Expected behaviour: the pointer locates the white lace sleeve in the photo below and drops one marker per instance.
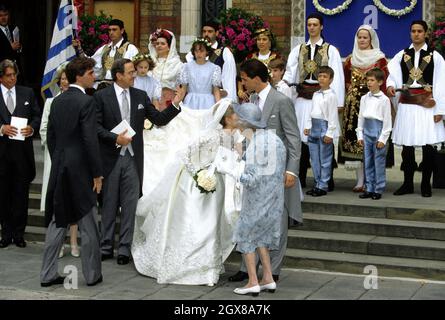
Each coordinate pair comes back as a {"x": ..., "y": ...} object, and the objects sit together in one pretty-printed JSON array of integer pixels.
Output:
[
  {"x": 157, "y": 92},
  {"x": 201, "y": 153},
  {"x": 183, "y": 76},
  {"x": 216, "y": 77}
]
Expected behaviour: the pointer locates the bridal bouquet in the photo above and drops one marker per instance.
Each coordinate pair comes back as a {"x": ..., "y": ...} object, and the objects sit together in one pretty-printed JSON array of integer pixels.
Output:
[{"x": 205, "y": 182}]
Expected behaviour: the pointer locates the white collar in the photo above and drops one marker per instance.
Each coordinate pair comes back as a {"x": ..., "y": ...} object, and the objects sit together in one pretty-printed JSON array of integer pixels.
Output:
[
  {"x": 119, "y": 89},
  {"x": 377, "y": 95},
  {"x": 424, "y": 48},
  {"x": 318, "y": 43},
  {"x": 215, "y": 45},
  {"x": 118, "y": 45},
  {"x": 5, "y": 90},
  {"x": 4, "y": 27},
  {"x": 78, "y": 87},
  {"x": 265, "y": 92},
  {"x": 325, "y": 91}
]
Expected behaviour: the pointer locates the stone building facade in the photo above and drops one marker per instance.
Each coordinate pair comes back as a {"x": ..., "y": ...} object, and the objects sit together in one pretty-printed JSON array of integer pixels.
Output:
[{"x": 286, "y": 17}]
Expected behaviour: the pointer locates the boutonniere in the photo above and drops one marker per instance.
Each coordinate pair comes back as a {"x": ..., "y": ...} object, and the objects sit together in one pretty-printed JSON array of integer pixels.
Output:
[{"x": 26, "y": 103}]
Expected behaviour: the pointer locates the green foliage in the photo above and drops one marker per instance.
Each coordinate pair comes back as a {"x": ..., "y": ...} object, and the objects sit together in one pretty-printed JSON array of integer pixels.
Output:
[{"x": 93, "y": 31}]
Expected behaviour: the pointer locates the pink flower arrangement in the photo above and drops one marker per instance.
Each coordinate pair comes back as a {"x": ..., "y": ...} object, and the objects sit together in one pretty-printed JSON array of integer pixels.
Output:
[
  {"x": 237, "y": 28},
  {"x": 93, "y": 32},
  {"x": 437, "y": 40}
]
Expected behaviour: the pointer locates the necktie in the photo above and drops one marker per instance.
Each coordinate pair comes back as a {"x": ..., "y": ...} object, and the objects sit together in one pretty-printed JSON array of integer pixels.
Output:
[
  {"x": 125, "y": 107},
  {"x": 8, "y": 34},
  {"x": 10, "y": 102}
]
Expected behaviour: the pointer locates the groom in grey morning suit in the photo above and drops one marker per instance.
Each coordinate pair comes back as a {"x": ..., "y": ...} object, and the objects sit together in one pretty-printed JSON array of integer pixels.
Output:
[
  {"x": 123, "y": 166},
  {"x": 279, "y": 114}
]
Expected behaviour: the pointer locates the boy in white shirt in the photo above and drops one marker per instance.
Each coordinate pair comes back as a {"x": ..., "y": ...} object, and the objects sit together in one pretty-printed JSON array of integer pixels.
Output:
[
  {"x": 277, "y": 67},
  {"x": 322, "y": 128},
  {"x": 373, "y": 130}
]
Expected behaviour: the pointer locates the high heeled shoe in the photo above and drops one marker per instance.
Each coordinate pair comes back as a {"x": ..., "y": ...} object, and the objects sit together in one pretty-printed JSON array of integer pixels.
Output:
[
  {"x": 254, "y": 291},
  {"x": 270, "y": 287},
  {"x": 75, "y": 251}
]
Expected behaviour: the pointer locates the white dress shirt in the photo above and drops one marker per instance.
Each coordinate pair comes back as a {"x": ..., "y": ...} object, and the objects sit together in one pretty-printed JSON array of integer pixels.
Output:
[
  {"x": 6, "y": 32},
  {"x": 395, "y": 78},
  {"x": 5, "y": 94},
  {"x": 262, "y": 96},
  {"x": 129, "y": 54},
  {"x": 335, "y": 62},
  {"x": 324, "y": 107},
  {"x": 78, "y": 87},
  {"x": 375, "y": 106},
  {"x": 119, "y": 91}
]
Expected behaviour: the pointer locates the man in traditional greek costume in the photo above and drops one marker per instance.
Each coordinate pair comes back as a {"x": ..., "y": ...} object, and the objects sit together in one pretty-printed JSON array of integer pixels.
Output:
[{"x": 419, "y": 73}]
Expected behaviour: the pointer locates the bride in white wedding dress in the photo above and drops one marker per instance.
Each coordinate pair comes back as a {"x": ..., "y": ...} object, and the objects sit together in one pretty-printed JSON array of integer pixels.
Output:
[{"x": 183, "y": 236}]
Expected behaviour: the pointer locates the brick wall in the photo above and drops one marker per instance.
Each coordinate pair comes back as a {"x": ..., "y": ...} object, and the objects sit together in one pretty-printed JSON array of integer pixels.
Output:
[
  {"x": 440, "y": 8},
  {"x": 277, "y": 13},
  {"x": 159, "y": 14}
]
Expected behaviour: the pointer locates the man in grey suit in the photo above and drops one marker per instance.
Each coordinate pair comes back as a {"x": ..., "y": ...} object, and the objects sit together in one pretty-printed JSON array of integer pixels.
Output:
[
  {"x": 76, "y": 175},
  {"x": 123, "y": 166},
  {"x": 279, "y": 114}
]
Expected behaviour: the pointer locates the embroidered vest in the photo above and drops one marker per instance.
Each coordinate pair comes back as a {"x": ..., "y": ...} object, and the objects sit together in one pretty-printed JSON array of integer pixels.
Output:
[
  {"x": 424, "y": 73},
  {"x": 217, "y": 56},
  {"x": 308, "y": 69},
  {"x": 107, "y": 61}
]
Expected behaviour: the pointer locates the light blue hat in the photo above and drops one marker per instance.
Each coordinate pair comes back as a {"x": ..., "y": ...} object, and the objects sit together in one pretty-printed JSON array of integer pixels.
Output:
[{"x": 250, "y": 113}]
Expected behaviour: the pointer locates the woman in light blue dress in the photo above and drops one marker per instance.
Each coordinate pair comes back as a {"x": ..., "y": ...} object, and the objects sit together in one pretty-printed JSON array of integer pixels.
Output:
[
  {"x": 262, "y": 177},
  {"x": 201, "y": 77}
]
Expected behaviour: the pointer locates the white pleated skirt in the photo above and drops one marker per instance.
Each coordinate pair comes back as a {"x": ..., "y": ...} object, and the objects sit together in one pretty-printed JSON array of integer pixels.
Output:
[
  {"x": 414, "y": 126},
  {"x": 303, "y": 109}
]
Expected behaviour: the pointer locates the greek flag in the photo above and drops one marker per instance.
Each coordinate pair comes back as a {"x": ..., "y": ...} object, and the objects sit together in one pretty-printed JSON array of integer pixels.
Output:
[{"x": 61, "y": 49}]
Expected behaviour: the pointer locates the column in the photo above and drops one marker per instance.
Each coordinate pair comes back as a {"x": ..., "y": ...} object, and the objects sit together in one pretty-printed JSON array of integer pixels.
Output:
[{"x": 190, "y": 23}]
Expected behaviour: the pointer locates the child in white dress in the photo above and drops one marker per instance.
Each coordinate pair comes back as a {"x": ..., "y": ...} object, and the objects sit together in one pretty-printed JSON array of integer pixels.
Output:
[
  {"x": 143, "y": 64},
  {"x": 201, "y": 78}
]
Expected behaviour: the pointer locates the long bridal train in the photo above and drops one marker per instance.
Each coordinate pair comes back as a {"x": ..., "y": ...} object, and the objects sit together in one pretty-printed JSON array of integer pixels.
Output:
[{"x": 183, "y": 236}]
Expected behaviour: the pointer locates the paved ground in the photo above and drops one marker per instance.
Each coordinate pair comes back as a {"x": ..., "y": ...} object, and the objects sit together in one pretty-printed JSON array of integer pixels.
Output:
[{"x": 19, "y": 279}]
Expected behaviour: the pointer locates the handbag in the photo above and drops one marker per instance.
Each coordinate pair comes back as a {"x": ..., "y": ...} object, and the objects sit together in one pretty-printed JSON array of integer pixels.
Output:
[{"x": 439, "y": 168}]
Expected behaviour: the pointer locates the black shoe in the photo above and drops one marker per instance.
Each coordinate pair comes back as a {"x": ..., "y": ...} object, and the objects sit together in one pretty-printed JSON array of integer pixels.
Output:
[
  {"x": 96, "y": 282},
  {"x": 331, "y": 185},
  {"x": 425, "y": 190},
  {"x": 366, "y": 195},
  {"x": 239, "y": 276},
  {"x": 376, "y": 196},
  {"x": 121, "y": 259},
  {"x": 20, "y": 242},
  {"x": 5, "y": 242},
  {"x": 319, "y": 193},
  {"x": 275, "y": 277},
  {"x": 404, "y": 189},
  {"x": 106, "y": 256},
  {"x": 310, "y": 192},
  {"x": 58, "y": 280}
]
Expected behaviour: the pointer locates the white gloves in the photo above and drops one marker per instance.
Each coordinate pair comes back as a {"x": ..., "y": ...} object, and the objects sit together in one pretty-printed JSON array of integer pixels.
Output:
[{"x": 226, "y": 162}]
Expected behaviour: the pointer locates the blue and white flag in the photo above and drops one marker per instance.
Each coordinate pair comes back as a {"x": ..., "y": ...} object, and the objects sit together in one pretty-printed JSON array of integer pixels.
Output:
[{"x": 61, "y": 49}]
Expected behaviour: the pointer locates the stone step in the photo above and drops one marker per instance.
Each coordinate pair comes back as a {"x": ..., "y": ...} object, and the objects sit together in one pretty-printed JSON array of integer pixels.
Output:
[
  {"x": 355, "y": 263},
  {"x": 374, "y": 226},
  {"x": 367, "y": 244},
  {"x": 414, "y": 208}
]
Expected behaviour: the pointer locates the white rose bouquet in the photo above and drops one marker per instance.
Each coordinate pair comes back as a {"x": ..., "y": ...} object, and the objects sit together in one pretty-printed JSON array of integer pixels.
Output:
[{"x": 205, "y": 181}]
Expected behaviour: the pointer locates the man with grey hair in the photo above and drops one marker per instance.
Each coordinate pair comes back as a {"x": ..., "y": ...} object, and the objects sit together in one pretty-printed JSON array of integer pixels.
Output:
[
  {"x": 17, "y": 165},
  {"x": 123, "y": 166}
]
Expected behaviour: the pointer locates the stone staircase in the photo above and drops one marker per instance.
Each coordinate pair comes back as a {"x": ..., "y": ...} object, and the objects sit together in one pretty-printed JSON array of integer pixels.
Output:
[{"x": 401, "y": 236}]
